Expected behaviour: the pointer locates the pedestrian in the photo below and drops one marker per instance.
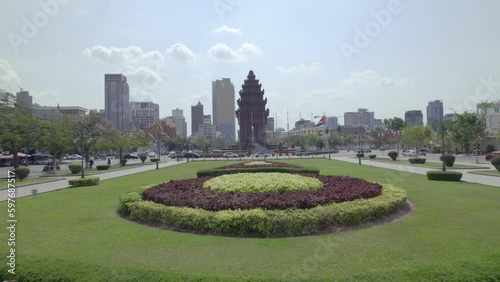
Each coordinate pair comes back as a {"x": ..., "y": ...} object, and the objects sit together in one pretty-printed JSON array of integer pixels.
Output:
[
  {"x": 91, "y": 163},
  {"x": 109, "y": 161}
]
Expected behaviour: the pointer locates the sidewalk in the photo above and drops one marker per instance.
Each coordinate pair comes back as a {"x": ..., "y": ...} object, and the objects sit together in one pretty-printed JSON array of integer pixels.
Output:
[
  {"x": 24, "y": 191},
  {"x": 467, "y": 177}
]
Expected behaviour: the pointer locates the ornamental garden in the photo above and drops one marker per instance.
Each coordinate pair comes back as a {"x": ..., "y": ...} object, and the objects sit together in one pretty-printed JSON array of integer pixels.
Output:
[{"x": 269, "y": 199}]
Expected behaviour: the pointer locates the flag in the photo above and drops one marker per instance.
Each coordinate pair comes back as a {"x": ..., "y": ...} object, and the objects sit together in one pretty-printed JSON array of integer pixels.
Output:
[{"x": 321, "y": 122}]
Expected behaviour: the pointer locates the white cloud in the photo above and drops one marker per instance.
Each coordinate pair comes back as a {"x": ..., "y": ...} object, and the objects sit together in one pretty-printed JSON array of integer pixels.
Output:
[
  {"x": 222, "y": 52},
  {"x": 130, "y": 54},
  {"x": 203, "y": 76},
  {"x": 139, "y": 94},
  {"x": 82, "y": 11},
  {"x": 391, "y": 82},
  {"x": 7, "y": 74},
  {"x": 142, "y": 72},
  {"x": 372, "y": 78},
  {"x": 227, "y": 29},
  {"x": 44, "y": 96},
  {"x": 299, "y": 68},
  {"x": 181, "y": 52}
]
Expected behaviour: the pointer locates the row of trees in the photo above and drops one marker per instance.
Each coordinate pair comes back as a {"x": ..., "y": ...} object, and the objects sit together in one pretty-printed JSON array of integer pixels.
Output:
[{"x": 20, "y": 131}]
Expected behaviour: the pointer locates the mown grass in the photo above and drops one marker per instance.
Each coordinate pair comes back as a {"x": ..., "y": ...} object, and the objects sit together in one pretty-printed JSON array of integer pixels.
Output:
[
  {"x": 76, "y": 235},
  {"x": 26, "y": 181},
  {"x": 427, "y": 164},
  {"x": 487, "y": 172}
]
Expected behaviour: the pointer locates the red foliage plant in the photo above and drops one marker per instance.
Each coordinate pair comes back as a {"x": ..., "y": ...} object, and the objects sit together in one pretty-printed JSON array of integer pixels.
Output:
[{"x": 190, "y": 193}]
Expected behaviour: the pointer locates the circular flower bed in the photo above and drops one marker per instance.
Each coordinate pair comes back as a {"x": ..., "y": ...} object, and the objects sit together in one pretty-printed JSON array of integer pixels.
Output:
[
  {"x": 262, "y": 182},
  {"x": 190, "y": 193},
  {"x": 259, "y": 164}
]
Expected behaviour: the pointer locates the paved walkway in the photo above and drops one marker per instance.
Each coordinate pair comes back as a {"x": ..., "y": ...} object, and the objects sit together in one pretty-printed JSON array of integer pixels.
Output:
[
  {"x": 468, "y": 177},
  {"x": 62, "y": 182}
]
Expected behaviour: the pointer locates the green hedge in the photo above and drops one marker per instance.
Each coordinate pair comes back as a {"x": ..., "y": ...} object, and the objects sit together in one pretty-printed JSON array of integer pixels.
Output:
[
  {"x": 393, "y": 155},
  {"x": 417, "y": 160},
  {"x": 449, "y": 160},
  {"x": 372, "y": 156},
  {"x": 444, "y": 175},
  {"x": 123, "y": 162},
  {"x": 270, "y": 223},
  {"x": 218, "y": 172},
  {"x": 154, "y": 160},
  {"x": 128, "y": 198},
  {"x": 88, "y": 181},
  {"x": 102, "y": 167},
  {"x": 75, "y": 168},
  {"x": 22, "y": 173},
  {"x": 143, "y": 158},
  {"x": 360, "y": 155}
]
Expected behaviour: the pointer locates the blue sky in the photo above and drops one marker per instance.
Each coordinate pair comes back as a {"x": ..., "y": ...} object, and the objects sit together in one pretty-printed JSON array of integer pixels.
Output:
[{"x": 311, "y": 56}]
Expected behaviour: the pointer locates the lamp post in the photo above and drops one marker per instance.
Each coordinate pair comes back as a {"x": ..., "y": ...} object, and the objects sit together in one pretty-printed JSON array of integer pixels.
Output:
[
  {"x": 157, "y": 151},
  {"x": 359, "y": 148},
  {"x": 442, "y": 145}
]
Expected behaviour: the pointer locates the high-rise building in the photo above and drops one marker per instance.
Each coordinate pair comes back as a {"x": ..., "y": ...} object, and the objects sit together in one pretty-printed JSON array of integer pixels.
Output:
[
  {"x": 24, "y": 97},
  {"x": 207, "y": 119},
  {"x": 332, "y": 122},
  {"x": 144, "y": 114},
  {"x": 361, "y": 117},
  {"x": 270, "y": 124},
  {"x": 434, "y": 113},
  {"x": 223, "y": 107},
  {"x": 414, "y": 118},
  {"x": 196, "y": 117},
  {"x": 180, "y": 122},
  {"x": 352, "y": 119},
  {"x": 116, "y": 101}
]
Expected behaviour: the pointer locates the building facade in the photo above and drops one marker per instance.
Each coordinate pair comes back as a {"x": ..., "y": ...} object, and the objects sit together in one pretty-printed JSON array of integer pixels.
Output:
[
  {"x": 270, "y": 124},
  {"x": 144, "y": 114},
  {"x": 180, "y": 122},
  {"x": 24, "y": 97},
  {"x": 434, "y": 113},
  {"x": 116, "y": 101},
  {"x": 223, "y": 108},
  {"x": 332, "y": 122},
  {"x": 414, "y": 118},
  {"x": 196, "y": 117}
]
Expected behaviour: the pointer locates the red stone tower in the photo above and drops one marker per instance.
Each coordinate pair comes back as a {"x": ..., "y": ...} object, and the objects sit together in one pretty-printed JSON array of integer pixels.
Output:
[{"x": 252, "y": 113}]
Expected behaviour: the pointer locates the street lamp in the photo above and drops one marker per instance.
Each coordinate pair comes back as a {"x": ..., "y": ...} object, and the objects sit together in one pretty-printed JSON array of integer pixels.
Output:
[
  {"x": 359, "y": 148},
  {"x": 442, "y": 145}
]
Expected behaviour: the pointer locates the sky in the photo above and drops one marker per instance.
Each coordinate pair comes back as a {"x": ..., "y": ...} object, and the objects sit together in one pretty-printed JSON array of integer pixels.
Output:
[{"x": 312, "y": 57}]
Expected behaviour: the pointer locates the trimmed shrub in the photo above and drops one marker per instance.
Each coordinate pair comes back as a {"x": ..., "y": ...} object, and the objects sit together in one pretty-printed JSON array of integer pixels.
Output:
[
  {"x": 372, "y": 156},
  {"x": 21, "y": 173},
  {"x": 88, "y": 181},
  {"x": 143, "y": 158},
  {"x": 444, "y": 175},
  {"x": 154, "y": 160},
  {"x": 123, "y": 162},
  {"x": 218, "y": 172},
  {"x": 490, "y": 148},
  {"x": 128, "y": 198},
  {"x": 102, "y": 167},
  {"x": 495, "y": 161},
  {"x": 75, "y": 168},
  {"x": 270, "y": 223},
  {"x": 449, "y": 160},
  {"x": 393, "y": 155},
  {"x": 417, "y": 160},
  {"x": 360, "y": 155}
]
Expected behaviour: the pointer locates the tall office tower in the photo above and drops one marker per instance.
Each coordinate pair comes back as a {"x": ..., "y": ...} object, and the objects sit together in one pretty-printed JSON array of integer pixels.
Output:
[
  {"x": 144, "y": 114},
  {"x": 270, "y": 124},
  {"x": 207, "y": 119},
  {"x": 180, "y": 122},
  {"x": 414, "y": 118},
  {"x": 24, "y": 97},
  {"x": 116, "y": 101},
  {"x": 223, "y": 108},
  {"x": 196, "y": 118},
  {"x": 352, "y": 119},
  {"x": 332, "y": 122},
  {"x": 434, "y": 113}
]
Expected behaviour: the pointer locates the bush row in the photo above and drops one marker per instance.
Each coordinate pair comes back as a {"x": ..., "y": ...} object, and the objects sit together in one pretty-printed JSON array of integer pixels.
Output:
[
  {"x": 88, "y": 181},
  {"x": 372, "y": 156},
  {"x": 21, "y": 173},
  {"x": 75, "y": 168},
  {"x": 444, "y": 175},
  {"x": 393, "y": 155},
  {"x": 417, "y": 160},
  {"x": 449, "y": 160},
  {"x": 259, "y": 164},
  {"x": 190, "y": 193},
  {"x": 495, "y": 161},
  {"x": 102, "y": 167},
  {"x": 270, "y": 223},
  {"x": 252, "y": 169}
]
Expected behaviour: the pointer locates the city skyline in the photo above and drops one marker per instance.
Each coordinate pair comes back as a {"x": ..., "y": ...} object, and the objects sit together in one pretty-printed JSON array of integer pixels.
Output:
[{"x": 326, "y": 58}]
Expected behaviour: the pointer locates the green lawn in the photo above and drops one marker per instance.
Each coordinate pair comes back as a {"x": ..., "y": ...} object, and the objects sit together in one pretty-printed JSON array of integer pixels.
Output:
[
  {"x": 112, "y": 167},
  {"x": 76, "y": 235},
  {"x": 4, "y": 183},
  {"x": 488, "y": 172},
  {"x": 427, "y": 164}
]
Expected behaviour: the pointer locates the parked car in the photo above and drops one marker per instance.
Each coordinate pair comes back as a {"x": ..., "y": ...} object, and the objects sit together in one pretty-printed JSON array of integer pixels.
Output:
[
  {"x": 74, "y": 157},
  {"x": 301, "y": 153},
  {"x": 230, "y": 155},
  {"x": 410, "y": 153},
  {"x": 423, "y": 152},
  {"x": 191, "y": 155},
  {"x": 130, "y": 156},
  {"x": 491, "y": 155},
  {"x": 42, "y": 161},
  {"x": 259, "y": 154},
  {"x": 5, "y": 163}
]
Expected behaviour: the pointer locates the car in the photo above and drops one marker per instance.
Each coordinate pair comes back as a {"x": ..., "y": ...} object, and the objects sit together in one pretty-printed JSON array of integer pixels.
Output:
[
  {"x": 230, "y": 155},
  {"x": 42, "y": 161},
  {"x": 491, "y": 155},
  {"x": 130, "y": 156},
  {"x": 259, "y": 154},
  {"x": 191, "y": 155},
  {"x": 302, "y": 153},
  {"x": 5, "y": 163},
  {"x": 410, "y": 153},
  {"x": 423, "y": 152},
  {"x": 74, "y": 157}
]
